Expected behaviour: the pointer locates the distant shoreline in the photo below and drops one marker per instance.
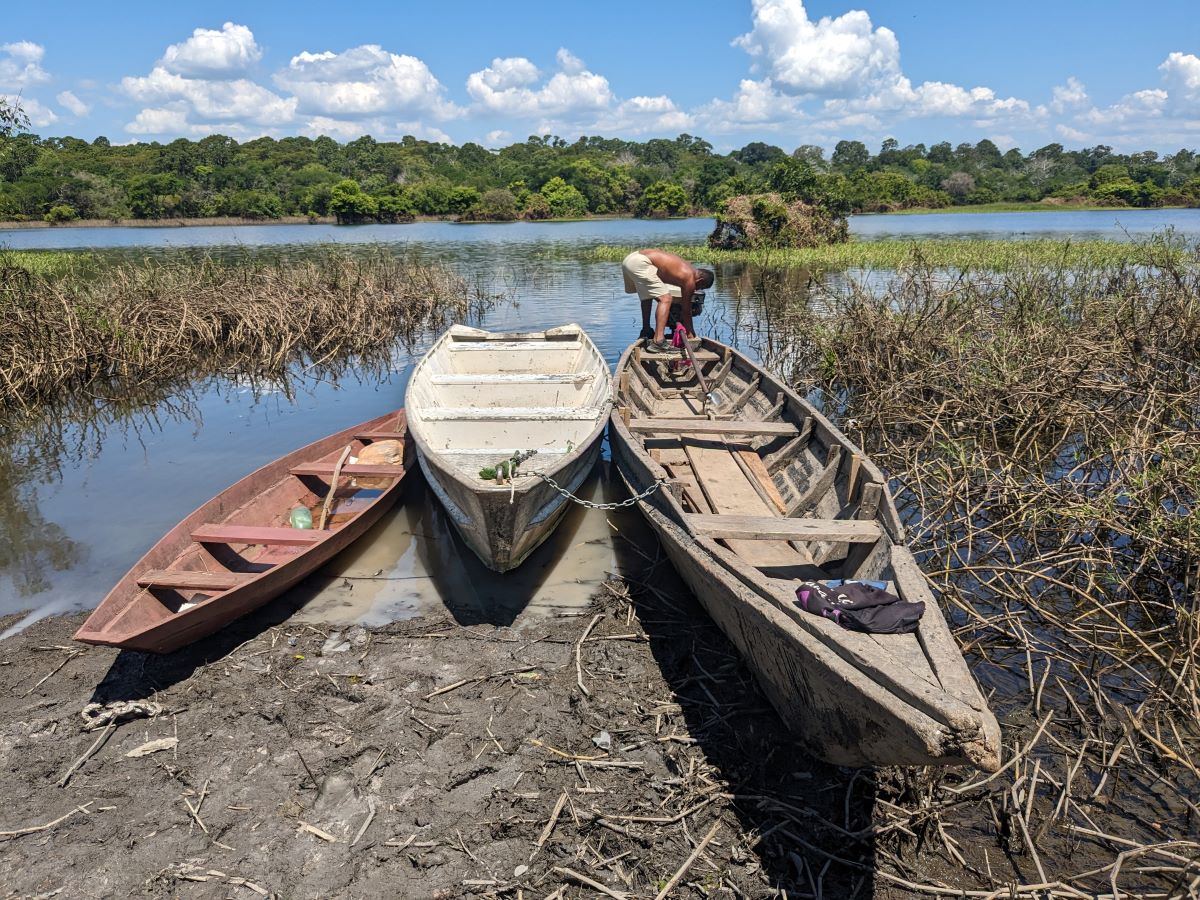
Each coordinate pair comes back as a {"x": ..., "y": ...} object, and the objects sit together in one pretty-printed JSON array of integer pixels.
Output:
[
  {"x": 166, "y": 223},
  {"x": 211, "y": 221}
]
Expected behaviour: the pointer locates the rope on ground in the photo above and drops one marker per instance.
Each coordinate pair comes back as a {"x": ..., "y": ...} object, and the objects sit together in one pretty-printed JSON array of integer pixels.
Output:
[{"x": 97, "y": 715}]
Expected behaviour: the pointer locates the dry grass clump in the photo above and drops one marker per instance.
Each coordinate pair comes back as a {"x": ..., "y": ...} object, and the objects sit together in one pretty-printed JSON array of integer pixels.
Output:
[
  {"x": 1043, "y": 429},
  {"x": 111, "y": 328}
]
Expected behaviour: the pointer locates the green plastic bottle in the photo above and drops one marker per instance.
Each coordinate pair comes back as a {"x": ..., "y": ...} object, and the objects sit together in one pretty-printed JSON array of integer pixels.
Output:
[{"x": 302, "y": 517}]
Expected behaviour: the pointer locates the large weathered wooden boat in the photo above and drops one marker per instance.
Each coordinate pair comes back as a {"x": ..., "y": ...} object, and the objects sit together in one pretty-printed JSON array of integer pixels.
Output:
[
  {"x": 240, "y": 549},
  {"x": 762, "y": 491},
  {"x": 479, "y": 398}
]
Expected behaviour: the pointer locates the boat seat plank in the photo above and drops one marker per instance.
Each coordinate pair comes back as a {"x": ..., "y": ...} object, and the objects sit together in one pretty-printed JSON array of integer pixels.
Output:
[
  {"x": 466, "y": 333},
  {"x": 375, "y": 470},
  {"x": 510, "y": 413},
  {"x": 506, "y": 346},
  {"x": 250, "y": 534},
  {"x": 513, "y": 378},
  {"x": 774, "y": 528},
  {"x": 701, "y": 355},
  {"x": 380, "y": 435},
  {"x": 708, "y": 426},
  {"x": 201, "y": 581}
]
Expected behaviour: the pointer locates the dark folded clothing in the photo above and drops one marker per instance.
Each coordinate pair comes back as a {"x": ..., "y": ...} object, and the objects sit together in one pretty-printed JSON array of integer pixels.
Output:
[{"x": 860, "y": 606}]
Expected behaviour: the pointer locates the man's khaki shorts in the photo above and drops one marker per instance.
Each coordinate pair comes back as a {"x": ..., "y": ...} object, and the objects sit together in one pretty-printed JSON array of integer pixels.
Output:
[{"x": 641, "y": 277}]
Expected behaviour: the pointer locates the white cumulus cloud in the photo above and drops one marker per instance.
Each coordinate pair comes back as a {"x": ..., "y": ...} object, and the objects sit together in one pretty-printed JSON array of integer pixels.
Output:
[
  {"x": 227, "y": 53},
  {"x": 199, "y": 87},
  {"x": 1154, "y": 115},
  {"x": 21, "y": 65},
  {"x": 365, "y": 81},
  {"x": 1181, "y": 72},
  {"x": 645, "y": 115},
  {"x": 833, "y": 56},
  {"x": 72, "y": 104},
  {"x": 212, "y": 101},
  {"x": 838, "y": 71},
  {"x": 505, "y": 87},
  {"x": 1071, "y": 95}
]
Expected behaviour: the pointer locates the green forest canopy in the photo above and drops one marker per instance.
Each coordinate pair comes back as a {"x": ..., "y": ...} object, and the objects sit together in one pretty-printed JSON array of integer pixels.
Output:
[{"x": 63, "y": 178}]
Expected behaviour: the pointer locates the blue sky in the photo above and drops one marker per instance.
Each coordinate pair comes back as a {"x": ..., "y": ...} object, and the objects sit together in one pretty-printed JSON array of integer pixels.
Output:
[{"x": 784, "y": 71}]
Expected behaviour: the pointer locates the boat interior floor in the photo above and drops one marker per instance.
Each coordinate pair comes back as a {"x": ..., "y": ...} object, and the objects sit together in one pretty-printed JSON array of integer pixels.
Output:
[
  {"x": 258, "y": 536},
  {"x": 726, "y": 488},
  {"x": 722, "y": 476}
]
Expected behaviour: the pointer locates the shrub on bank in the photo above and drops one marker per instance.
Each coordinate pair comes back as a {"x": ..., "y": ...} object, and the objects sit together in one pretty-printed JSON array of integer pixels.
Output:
[
  {"x": 496, "y": 205},
  {"x": 764, "y": 221},
  {"x": 60, "y": 213}
]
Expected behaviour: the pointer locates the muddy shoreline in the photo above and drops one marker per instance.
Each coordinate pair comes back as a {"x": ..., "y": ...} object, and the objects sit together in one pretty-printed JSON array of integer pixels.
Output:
[
  {"x": 609, "y": 751},
  {"x": 425, "y": 758}
]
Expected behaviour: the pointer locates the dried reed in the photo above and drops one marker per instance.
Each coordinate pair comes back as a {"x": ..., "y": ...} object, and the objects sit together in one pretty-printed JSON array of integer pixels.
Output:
[
  {"x": 1042, "y": 426},
  {"x": 101, "y": 330}
]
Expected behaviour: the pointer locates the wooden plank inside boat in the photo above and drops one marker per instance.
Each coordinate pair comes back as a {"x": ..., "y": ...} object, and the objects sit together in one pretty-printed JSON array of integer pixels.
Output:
[
  {"x": 709, "y": 426},
  {"x": 774, "y": 528},
  {"x": 248, "y": 534},
  {"x": 725, "y": 486}
]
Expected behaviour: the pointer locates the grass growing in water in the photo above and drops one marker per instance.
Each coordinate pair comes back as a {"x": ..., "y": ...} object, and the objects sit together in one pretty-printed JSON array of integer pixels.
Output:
[
  {"x": 993, "y": 255},
  {"x": 64, "y": 330},
  {"x": 1043, "y": 428}
]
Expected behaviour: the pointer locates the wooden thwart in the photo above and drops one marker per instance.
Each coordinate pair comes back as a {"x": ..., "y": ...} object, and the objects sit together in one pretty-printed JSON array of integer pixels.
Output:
[
  {"x": 249, "y": 534},
  {"x": 375, "y": 470},
  {"x": 701, "y": 355},
  {"x": 774, "y": 528},
  {"x": 380, "y": 436},
  {"x": 200, "y": 581},
  {"x": 708, "y": 426}
]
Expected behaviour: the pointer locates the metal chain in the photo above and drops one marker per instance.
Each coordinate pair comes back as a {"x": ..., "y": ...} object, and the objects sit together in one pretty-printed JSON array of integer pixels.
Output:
[{"x": 658, "y": 482}]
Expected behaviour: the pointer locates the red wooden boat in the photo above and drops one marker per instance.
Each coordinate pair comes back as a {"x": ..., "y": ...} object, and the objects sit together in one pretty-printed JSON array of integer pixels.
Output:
[{"x": 239, "y": 550}]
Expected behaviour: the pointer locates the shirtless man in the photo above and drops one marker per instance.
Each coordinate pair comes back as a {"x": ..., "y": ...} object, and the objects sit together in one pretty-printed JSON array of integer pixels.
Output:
[{"x": 662, "y": 278}]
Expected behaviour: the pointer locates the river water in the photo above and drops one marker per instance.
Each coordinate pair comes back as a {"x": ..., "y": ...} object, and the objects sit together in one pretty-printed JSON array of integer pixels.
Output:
[{"x": 74, "y": 522}]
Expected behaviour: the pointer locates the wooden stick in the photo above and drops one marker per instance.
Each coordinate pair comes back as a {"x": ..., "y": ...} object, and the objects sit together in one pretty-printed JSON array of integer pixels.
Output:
[
  {"x": 91, "y": 751},
  {"x": 367, "y": 822},
  {"x": 687, "y": 863},
  {"x": 337, "y": 473},
  {"x": 578, "y": 648},
  {"x": 314, "y": 830},
  {"x": 595, "y": 885},
  {"x": 549, "y": 829},
  {"x": 20, "y": 831}
]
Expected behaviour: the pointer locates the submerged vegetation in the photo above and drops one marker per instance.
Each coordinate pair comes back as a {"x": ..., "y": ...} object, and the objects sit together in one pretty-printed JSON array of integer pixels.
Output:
[
  {"x": 83, "y": 328},
  {"x": 1042, "y": 427}
]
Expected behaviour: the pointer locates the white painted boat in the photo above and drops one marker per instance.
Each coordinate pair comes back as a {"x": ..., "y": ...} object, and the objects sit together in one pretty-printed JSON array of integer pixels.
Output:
[{"x": 478, "y": 397}]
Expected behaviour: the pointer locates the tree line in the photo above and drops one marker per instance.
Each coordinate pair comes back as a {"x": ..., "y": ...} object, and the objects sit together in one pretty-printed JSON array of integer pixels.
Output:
[{"x": 63, "y": 178}]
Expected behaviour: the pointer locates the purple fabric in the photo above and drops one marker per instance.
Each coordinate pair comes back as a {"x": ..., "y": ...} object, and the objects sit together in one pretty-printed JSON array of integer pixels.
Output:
[{"x": 860, "y": 606}]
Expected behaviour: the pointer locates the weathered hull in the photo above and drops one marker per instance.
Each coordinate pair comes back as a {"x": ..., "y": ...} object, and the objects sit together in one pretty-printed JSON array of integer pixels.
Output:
[
  {"x": 763, "y": 492},
  {"x": 131, "y": 618},
  {"x": 834, "y": 710},
  {"x": 476, "y": 399},
  {"x": 502, "y": 530}
]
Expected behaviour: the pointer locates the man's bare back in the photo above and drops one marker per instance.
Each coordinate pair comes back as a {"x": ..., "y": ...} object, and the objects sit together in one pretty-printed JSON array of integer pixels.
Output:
[{"x": 676, "y": 271}]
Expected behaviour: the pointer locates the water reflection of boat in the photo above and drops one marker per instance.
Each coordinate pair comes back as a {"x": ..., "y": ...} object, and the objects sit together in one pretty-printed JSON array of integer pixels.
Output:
[
  {"x": 765, "y": 491},
  {"x": 478, "y": 398},
  {"x": 239, "y": 550}
]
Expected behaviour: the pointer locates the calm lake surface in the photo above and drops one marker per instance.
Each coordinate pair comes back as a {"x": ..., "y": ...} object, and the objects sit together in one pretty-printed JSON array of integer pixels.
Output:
[{"x": 70, "y": 527}]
